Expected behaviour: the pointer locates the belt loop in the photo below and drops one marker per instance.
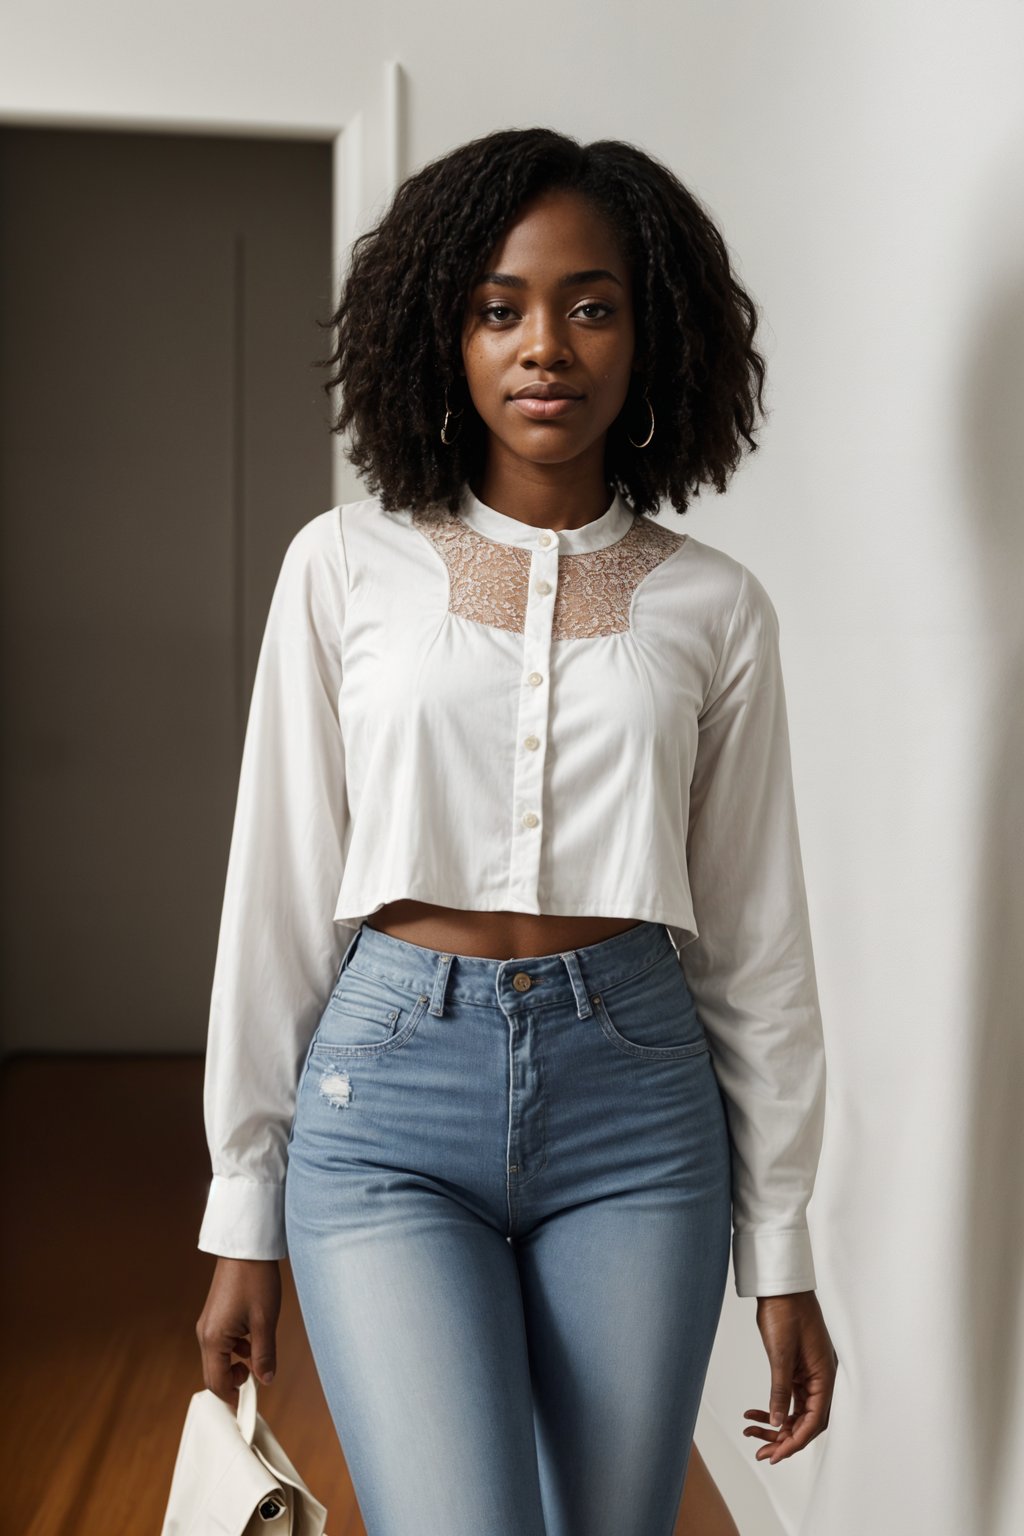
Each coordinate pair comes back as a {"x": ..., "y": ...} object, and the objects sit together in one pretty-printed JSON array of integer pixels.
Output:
[
  {"x": 344, "y": 959},
  {"x": 572, "y": 965},
  {"x": 437, "y": 992}
]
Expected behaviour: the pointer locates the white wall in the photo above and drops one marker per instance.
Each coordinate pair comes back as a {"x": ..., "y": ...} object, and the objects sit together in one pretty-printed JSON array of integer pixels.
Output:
[{"x": 865, "y": 161}]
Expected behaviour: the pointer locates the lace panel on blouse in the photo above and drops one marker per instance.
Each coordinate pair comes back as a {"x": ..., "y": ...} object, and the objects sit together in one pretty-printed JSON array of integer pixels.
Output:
[{"x": 489, "y": 582}]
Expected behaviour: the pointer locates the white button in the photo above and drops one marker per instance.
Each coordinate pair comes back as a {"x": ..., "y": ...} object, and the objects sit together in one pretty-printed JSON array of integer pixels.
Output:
[
  {"x": 535, "y": 678},
  {"x": 532, "y": 742},
  {"x": 530, "y": 820},
  {"x": 545, "y": 540},
  {"x": 543, "y": 587}
]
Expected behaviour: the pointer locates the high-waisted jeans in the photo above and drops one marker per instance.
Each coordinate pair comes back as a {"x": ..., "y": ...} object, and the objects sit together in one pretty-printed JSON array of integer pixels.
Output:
[{"x": 508, "y": 1220}]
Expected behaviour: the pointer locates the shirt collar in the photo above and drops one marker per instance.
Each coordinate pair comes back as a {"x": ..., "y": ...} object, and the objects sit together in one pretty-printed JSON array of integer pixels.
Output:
[{"x": 598, "y": 534}]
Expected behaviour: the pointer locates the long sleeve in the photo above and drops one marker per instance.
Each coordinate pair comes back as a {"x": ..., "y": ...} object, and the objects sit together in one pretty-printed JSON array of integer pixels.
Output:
[
  {"x": 278, "y": 948},
  {"x": 751, "y": 968}
]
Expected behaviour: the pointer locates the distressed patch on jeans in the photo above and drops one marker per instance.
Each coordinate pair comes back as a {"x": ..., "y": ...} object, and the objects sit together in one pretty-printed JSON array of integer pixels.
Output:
[{"x": 336, "y": 1089}]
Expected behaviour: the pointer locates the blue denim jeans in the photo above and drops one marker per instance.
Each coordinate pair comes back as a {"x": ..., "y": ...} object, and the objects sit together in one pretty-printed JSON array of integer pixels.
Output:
[{"x": 508, "y": 1219}]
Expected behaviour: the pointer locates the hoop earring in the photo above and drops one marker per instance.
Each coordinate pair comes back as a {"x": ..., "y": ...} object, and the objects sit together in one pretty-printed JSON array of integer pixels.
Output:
[
  {"x": 651, "y": 432},
  {"x": 448, "y": 413}
]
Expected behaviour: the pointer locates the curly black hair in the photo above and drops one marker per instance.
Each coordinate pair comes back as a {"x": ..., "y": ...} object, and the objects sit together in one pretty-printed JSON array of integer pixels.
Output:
[{"x": 399, "y": 321}]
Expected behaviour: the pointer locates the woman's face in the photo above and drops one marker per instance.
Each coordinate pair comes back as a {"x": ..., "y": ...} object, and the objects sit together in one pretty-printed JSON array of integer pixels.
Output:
[{"x": 554, "y": 308}]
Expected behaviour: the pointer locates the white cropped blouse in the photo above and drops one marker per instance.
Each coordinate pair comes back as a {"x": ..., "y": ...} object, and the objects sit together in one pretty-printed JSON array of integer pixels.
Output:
[{"x": 463, "y": 709}]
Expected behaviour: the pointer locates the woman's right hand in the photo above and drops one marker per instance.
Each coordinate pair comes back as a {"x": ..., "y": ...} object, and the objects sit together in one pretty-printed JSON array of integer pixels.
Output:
[{"x": 240, "y": 1317}]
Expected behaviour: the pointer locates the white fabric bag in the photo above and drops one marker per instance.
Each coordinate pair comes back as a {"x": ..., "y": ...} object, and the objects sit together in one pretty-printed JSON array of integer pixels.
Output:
[{"x": 232, "y": 1478}]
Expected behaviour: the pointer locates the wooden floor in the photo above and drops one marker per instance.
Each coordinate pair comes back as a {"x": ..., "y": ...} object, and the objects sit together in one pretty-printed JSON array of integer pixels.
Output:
[{"x": 104, "y": 1178}]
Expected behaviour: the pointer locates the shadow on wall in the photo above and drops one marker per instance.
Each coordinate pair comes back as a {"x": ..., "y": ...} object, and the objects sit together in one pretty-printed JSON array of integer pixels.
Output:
[{"x": 992, "y": 1276}]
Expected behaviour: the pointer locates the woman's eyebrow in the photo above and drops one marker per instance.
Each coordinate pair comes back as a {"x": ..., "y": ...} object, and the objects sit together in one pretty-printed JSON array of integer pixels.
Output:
[{"x": 568, "y": 280}]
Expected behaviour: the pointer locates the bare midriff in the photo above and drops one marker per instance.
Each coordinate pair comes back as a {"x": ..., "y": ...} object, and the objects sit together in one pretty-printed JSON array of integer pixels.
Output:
[{"x": 492, "y": 935}]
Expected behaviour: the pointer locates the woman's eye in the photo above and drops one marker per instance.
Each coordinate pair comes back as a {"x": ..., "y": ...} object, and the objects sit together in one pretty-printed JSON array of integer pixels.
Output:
[
  {"x": 596, "y": 304},
  {"x": 492, "y": 311}
]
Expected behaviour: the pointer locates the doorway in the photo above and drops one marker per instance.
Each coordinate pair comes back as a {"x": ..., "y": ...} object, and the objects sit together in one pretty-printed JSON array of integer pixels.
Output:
[{"x": 163, "y": 433}]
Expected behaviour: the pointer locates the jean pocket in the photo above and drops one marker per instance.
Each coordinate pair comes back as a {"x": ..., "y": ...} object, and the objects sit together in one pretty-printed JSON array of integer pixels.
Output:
[
  {"x": 652, "y": 1015},
  {"x": 366, "y": 1014}
]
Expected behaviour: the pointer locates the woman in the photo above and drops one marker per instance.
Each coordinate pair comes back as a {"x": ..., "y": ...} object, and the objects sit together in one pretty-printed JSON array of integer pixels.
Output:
[{"x": 514, "y": 977}]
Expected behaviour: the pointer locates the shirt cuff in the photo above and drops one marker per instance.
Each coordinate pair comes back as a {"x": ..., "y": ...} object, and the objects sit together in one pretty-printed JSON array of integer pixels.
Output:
[
  {"x": 773, "y": 1263},
  {"x": 244, "y": 1220}
]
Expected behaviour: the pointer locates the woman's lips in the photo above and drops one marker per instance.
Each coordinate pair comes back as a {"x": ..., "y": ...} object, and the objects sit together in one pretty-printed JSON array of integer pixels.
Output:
[{"x": 544, "y": 410}]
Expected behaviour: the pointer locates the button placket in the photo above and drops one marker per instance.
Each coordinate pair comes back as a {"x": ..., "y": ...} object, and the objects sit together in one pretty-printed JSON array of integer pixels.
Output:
[{"x": 532, "y": 723}]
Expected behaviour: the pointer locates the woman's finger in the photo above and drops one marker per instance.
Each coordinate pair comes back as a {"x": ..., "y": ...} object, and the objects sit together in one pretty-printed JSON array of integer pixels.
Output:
[
  {"x": 264, "y": 1350},
  {"x": 805, "y": 1428},
  {"x": 217, "y": 1375},
  {"x": 763, "y": 1430}
]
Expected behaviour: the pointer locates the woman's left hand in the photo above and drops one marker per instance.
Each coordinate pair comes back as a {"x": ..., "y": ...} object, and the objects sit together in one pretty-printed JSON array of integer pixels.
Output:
[{"x": 803, "y": 1364}]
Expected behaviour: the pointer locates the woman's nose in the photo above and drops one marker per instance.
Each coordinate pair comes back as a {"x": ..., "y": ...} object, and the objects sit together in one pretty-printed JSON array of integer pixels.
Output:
[{"x": 543, "y": 341}]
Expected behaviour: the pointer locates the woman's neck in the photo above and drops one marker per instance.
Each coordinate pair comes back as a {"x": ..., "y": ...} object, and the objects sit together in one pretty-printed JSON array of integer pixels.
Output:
[{"x": 545, "y": 500}]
